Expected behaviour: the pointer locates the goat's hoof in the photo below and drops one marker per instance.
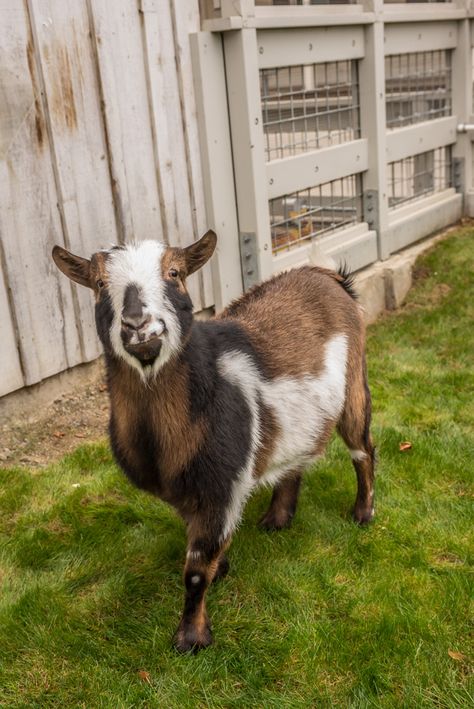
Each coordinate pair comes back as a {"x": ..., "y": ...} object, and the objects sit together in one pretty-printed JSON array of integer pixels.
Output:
[
  {"x": 222, "y": 569},
  {"x": 363, "y": 515},
  {"x": 274, "y": 521},
  {"x": 189, "y": 638}
]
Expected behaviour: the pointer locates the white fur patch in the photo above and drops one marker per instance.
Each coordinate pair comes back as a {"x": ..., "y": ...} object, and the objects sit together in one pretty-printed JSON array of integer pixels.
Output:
[
  {"x": 301, "y": 406},
  {"x": 358, "y": 454},
  {"x": 239, "y": 370},
  {"x": 193, "y": 555},
  {"x": 140, "y": 264}
]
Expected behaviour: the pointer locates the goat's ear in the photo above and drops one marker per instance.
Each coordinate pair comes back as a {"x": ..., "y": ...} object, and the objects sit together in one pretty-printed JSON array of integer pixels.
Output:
[
  {"x": 200, "y": 252},
  {"x": 74, "y": 267}
]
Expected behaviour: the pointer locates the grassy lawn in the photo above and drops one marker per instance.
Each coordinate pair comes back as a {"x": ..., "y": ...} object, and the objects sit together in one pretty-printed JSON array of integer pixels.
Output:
[{"x": 324, "y": 614}]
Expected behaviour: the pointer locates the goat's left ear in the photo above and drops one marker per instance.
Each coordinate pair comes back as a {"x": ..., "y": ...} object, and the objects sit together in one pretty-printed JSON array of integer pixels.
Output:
[
  {"x": 74, "y": 267},
  {"x": 200, "y": 252}
]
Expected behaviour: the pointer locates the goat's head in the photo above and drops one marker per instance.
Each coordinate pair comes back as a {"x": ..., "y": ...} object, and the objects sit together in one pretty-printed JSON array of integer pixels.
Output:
[{"x": 143, "y": 310}]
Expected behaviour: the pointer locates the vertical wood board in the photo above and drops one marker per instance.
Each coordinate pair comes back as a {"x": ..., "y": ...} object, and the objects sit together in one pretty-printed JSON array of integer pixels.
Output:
[
  {"x": 118, "y": 37},
  {"x": 79, "y": 150},
  {"x": 167, "y": 119},
  {"x": 29, "y": 218},
  {"x": 187, "y": 21},
  {"x": 11, "y": 376}
]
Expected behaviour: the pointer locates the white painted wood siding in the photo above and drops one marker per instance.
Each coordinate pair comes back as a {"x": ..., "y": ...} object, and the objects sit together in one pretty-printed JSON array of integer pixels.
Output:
[{"x": 98, "y": 145}]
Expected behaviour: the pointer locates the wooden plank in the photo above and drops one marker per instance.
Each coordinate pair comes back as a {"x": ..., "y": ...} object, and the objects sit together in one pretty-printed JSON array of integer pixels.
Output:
[
  {"x": 248, "y": 146},
  {"x": 430, "y": 216},
  {"x": 29, "y": 219},
  {"x": 79, "y": 148},
  {"x": 405, "y": 37},
  {"x": 316, "y": 167},
  {"x": 355, "y": 245},
  {"x": 421, "y": 137},
  {"x": 290, "y": 47},
  {"x": 168, "y": 127},
  {"x": 462, "y": 77},
  {"x": 373, "y": 124},
  {"x": 216, "y": 151},
  {"x": 422, "y": 12},
  {"x": 186, "y": 20},
  {"x": 123, "y": 85},
  {"x": 11, "y": 376}
]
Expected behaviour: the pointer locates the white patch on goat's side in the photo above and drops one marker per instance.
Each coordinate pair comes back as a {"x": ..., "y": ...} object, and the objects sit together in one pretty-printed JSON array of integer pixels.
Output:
[
  {"x": 357, "y": 454},
  {"x": 195, "y": 579},
  {"x": 240, "y": 371},
  {"x": 140, "y": 264},
  {"x": 301, "y": 405}
]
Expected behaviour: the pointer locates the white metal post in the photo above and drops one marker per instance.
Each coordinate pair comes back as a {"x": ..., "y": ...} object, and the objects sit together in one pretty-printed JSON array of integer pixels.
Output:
[
  {"x": 462, "y": 109},
  {"x": 373, "y": 126},
  {"x": 243, "y": 92}
]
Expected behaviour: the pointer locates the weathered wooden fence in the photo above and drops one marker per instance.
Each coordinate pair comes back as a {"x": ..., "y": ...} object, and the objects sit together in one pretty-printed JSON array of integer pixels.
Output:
[{"x": 98, "y": 145}]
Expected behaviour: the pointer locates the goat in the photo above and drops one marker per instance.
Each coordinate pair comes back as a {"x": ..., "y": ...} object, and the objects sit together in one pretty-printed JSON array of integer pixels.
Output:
[{"x": 203, "y": 412}]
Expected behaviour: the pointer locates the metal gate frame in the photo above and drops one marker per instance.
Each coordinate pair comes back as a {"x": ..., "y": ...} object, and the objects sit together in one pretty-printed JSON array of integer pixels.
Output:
[{"x": 239, "y": 183}]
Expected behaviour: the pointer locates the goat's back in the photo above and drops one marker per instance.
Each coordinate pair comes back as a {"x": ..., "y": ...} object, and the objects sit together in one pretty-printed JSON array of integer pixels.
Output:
[{"x": 291, "y": 318}]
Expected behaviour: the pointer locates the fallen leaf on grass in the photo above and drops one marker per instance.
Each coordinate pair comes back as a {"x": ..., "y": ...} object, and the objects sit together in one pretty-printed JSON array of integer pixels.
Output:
[
  {"x": 144, "y": 676},
  {"x": 405, "y": 446},
  {"x": 457, "y": 655},
  {"x": 80, "y": 435},
  {"x": 59, "y": 434}
]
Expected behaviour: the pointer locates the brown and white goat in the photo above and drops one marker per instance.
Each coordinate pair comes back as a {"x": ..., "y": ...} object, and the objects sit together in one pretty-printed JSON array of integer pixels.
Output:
[{"x": 204, "y": 412}]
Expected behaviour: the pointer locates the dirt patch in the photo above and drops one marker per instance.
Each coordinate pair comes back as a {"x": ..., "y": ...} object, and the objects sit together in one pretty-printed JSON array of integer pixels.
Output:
[{"x": 77, "y": 417}]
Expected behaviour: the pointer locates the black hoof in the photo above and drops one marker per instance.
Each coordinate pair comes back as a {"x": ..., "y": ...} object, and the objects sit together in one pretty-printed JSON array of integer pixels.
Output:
[
  {"x": 363, "y": 515},
  {"x": 274, "y": 521},
  {"x": 191, "y": 639}
]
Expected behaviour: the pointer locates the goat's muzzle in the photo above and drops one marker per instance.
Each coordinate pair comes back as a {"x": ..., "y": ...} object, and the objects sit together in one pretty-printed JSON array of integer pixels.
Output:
[
  {"x": 143, "y": 341},
  {"x": 146, "y": 351}
]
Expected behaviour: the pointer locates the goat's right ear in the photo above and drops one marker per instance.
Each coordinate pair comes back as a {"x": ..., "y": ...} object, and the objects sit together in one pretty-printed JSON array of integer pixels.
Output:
[{"x": 74, "y": 267}]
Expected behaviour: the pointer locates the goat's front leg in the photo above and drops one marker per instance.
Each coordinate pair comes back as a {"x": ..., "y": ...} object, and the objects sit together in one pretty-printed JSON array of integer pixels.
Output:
[{"x": 205, "y": 562}]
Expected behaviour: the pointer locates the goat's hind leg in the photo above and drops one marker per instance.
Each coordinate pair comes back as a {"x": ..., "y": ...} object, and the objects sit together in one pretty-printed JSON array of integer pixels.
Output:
[
  {"x": 283, "y": 504},
  {"x": 354, "y": 428}
]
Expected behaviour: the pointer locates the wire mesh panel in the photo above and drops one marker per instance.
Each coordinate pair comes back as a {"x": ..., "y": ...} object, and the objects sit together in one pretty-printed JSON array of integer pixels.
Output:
[
  {"x": 313, "y": 212},
  {"x": 309, "y": 106},
  {"x": 418, "y": 87},
  {"x": 418, "y": 176}
]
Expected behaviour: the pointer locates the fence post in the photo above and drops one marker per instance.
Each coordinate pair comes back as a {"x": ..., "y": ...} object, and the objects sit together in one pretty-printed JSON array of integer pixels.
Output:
[
  {"x": 216, "y": 157},
  {"x": 462, "y": 109},
  {"x": 243, "y": 94},
  {"x": 373, "y": 126}
]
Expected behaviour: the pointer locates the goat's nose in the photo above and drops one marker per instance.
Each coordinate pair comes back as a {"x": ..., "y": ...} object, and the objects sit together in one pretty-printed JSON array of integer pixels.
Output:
[
  {"x": 133, "y": 315},
  {"x": 135, "y": 322}
]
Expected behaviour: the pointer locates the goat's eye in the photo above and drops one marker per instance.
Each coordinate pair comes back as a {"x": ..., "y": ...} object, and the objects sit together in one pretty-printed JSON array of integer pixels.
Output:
[
  {"x": 100, "y": 283},
  {"x": 173, "y": 273}
]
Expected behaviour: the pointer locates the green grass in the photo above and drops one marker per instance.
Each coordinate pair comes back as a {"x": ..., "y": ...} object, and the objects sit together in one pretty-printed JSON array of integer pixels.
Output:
[{"x": 322, "y": 615}]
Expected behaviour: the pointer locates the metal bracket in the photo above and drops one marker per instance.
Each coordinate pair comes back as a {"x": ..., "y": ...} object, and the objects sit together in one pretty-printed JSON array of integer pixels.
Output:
[
  {"x": 371, "y": 209},
  {"x": 458, "y": 168},
  {"x": 249, "y": 258}
]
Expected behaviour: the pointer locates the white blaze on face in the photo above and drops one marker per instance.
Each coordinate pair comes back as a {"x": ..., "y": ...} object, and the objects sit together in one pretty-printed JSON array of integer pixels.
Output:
[{"x": 140, "y": 265}]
